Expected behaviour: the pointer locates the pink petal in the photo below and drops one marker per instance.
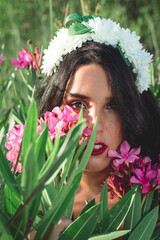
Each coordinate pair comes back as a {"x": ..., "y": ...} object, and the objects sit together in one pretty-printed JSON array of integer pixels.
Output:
[
  {"x": 113, "y": 153},
  {"x": 135, "y": 151},
  {"x": 131, "y": 158},
  {"x": 146, "y": 188},
  {"x": 118, "y": 162},
  {"x": 139, "y": 174},
  {"x": 1, "y": 59},
  {"x": 151, "y": 174},
  {"x": 87, "y": 132},
  {"x": 135, "y": 180},
  {"x": 57, "y": 111},
  {"x": 124, "y": 148}
]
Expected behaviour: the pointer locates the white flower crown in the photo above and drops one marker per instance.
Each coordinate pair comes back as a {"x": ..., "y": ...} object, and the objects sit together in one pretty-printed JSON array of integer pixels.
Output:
[{"x": 99, "y": 30}]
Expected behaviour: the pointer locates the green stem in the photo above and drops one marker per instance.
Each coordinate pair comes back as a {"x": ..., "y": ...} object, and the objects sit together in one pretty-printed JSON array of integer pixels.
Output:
[{"x": 51, "y": 17}]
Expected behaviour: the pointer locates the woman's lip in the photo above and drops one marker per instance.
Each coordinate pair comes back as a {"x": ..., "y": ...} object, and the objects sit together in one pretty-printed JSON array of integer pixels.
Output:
[{"x": 100, "y": 150}]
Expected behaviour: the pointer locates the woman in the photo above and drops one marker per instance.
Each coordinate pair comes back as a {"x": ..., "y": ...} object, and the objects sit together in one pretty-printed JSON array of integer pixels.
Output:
[{"x": 102, "y": 67}]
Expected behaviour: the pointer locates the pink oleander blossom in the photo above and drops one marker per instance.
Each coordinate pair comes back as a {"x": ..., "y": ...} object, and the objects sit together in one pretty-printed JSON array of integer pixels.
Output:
[
  {"x": 14, "y": 138},
  {"x": 125, "y": 155},
  {"x": 144, "y": 177},
  {"x": 27, "y": 59},
  {"x": 1, "y": 59}
]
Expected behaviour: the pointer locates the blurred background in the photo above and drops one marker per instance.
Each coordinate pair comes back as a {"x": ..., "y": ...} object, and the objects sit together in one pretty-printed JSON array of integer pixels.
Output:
[{"x": 37, "y": 20}]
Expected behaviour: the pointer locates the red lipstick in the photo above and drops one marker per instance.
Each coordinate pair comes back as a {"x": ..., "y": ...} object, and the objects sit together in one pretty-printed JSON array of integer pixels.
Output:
[{"x": 99, "y": 148}]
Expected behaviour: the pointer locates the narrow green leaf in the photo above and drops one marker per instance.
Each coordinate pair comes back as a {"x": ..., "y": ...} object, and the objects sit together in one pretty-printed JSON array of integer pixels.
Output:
[
  {"x": 113, "y": 220},
  {"x": 59, "y": 205},
  {"x": 12, "y": 200},
  {"x": 134, "y": 215},
  {"x": 77, "y": 157},
  {"x": 40, "y": 148},
  {"x": 4, "y": 234},
  {"x": 29, "y": 179},
  {"x": 30, "y": 132},
  {"x": 6, "y": 172},
  {"x": 156, "y": 234},
  {"x": 83, "y": 226},
  {"x": 78, "y": 29},
  {"x": 48, "y": 195},
  {"x": 89, "y": 149},
  {"x": 104, "y": 201},
  {"x": 88, "y": 206},
  {"x": 109, "y": 236},
  {"x": 29, "y": 173},
  {"x": 145, "y": 228},
  {"x": 4, "y": 119},
  {"x": 148, "y": 203},
  {"x": 69, "y": 210}
]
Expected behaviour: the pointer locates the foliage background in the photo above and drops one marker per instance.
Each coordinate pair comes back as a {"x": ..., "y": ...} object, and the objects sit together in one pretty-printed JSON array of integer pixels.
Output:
[{"x": 38, "y": 20}]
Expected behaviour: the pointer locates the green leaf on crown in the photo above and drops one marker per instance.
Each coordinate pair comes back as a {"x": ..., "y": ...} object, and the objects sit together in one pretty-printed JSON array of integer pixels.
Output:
[
  {"x": 73, "y": 18},
  {"x": 78, "y": 29}
]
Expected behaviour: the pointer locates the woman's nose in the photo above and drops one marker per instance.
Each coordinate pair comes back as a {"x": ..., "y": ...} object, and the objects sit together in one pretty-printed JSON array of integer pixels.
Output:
[{"x": 93, "y": 115}]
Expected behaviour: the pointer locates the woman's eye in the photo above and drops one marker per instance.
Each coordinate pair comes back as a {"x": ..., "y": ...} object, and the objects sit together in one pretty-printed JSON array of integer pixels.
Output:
[
  {"x": 77, "y": 105},
  {"x": 111, "y": 106}
]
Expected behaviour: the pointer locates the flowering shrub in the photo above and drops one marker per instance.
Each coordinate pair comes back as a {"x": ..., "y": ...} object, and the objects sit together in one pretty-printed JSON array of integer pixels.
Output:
[
  {"x": 27, "y": 59},
  {"x": 130, "y": 168},
  {"x": 56, "y": 120}
]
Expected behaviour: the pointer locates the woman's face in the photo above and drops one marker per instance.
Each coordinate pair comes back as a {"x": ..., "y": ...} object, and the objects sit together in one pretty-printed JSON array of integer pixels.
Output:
[{"x": 90, "y": 87}]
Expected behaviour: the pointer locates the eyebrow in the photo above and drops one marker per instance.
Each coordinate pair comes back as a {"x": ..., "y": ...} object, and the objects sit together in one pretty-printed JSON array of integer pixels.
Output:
[
  {"x": 81, "y": 96},
  {"x": 77, "y": 95}
]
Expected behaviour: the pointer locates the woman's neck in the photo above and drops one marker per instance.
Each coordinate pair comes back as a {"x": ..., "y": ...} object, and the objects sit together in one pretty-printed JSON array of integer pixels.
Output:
[{"x": 93, "y": 181}]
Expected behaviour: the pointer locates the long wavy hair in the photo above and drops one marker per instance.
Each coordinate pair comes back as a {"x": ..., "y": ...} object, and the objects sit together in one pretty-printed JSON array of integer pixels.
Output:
[{"x": 140, "y": 112}]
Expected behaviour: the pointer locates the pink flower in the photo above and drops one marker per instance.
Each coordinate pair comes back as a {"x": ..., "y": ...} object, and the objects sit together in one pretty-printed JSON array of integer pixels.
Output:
[
  {"x": 157, "y": 180},
  {"x": 126, "y": 155},
  {"x": 14, "y": 138},
  {"x": 144, "y": 177},
  {"x": 1, "y": 59},
  {"x": 27, "y": 59}
]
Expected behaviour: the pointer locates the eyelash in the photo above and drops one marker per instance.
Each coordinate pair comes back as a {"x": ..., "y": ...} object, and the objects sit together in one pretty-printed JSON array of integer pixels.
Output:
[
  {"x": 109, "y": 106},
  {"x": 73, "y": 105}
]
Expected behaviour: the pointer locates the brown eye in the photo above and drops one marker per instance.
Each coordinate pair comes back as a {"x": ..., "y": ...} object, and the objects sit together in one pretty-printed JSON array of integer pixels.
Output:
[
  {"x": 111, "y": 105},
  {"x": 77, "y": 105}
]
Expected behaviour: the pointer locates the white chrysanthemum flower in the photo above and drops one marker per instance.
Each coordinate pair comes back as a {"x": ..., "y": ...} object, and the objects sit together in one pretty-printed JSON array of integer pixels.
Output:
[{"x": 102, "y": 31}]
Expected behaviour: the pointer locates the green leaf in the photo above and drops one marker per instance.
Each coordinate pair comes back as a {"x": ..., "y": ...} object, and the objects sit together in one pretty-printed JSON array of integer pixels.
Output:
[
  {"x": 148, "y": 203},
  {"x": 73, "y": 18},
  {"x": 5, "y": 233},
  {"x": 113, "y": 220},
  {"x": 145, "y": 228},
  {"x": 59, "y": 205},
  {"x": 30, "y": 172},
  {"x": 12, "y": 200},
  {"x": 83, "y": 226},
  {"x": 6, "y": 173},
  {"x": 78, "y": 29},
  {"x": 156, "y": 234},
  {"x": 48, "y": 195},
  {"x": 30, "y": 132},
  {"x": 104, "y": 201},
  {"x": 134, "y": 215},
  {"x": 88, "y": 206},
  {"x": 77, "y": 157},
  {"x": 89, "y": 149},
  {"x": 109, "y": 236},
  {"x": 69, "y": 210},
  {"x": 58, "y": 159},
  {"x": 88, "y": 17},
  {"x": 29, "y": 179},
  {"x": 40, "y": 147},
  {"x": 4, "y": 119}
]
